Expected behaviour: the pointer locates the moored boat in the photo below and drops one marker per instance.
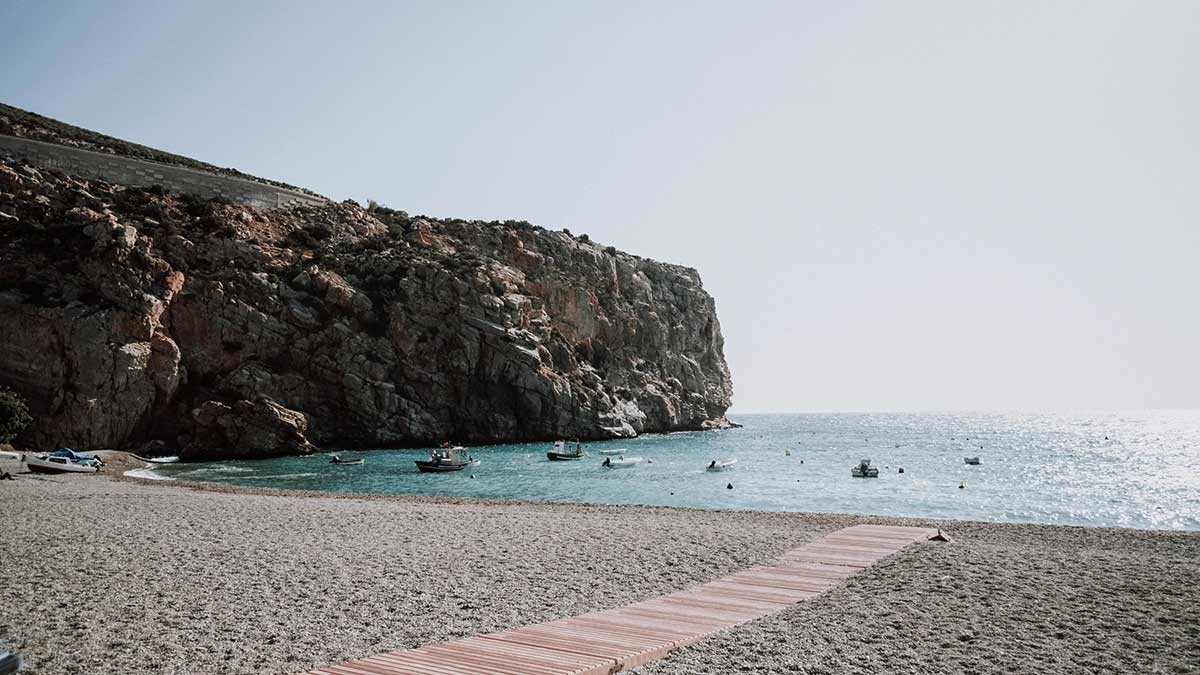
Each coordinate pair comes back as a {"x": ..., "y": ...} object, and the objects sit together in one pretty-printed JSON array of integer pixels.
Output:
[
  {"x": 444, "y": 460},
  {"x": 973, "y": 461},
  {"x": 620, "y": 462},
  {"x": 864, "y": 470},
  {"x": 56, "y": 464},
  {"x": 613, "y": 452},
  {"x": 346, "y": 462},
  {"x": 562, "y": 454},
  {"x": 721, "y": 465}
]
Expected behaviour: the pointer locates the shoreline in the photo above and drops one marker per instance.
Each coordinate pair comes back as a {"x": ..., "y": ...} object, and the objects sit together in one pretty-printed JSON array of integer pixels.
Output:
[
  {"x": 225, "y": 579},
  {"x": 230, "y": 488}
]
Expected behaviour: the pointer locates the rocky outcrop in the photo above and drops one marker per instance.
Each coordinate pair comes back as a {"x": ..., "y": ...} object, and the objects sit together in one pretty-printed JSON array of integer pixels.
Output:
[{"x": 133, "y": 315}]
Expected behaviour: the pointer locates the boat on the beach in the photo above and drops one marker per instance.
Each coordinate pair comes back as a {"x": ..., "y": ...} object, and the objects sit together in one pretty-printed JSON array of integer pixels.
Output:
[
  {"x": 173, "y": 459},
  {"x": 77, "y": 457},
  {"x": 561, "y": 454},
  {"x": 613, "y": 452},
  {"x": 973, "y": 461},
  {"x": 620, "y": 462},
  {"x": 10, "y": 663},
  {"x": 446, "y": 459},
  {"x": 864, "y": 470},
  {"x": 346, "y": 462},
  {"x": 45, "y": 463},
  {"x": 721, "y": 465},
  {"x": 11, "y": 463}
]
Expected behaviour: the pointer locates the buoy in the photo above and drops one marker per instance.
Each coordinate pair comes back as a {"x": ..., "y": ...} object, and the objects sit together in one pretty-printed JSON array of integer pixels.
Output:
[
  {"x": 729, "y": 487},
  {"x": 901, "y": 470},
  {"x": 672, "y": 493},
  {"x": 962, "y": 485},
  {"x": 787, "y": 453},
  {"x": 472, "y": 475},
  {"x": 649, "y": 461},
  {"x": 801, "y": 461}
]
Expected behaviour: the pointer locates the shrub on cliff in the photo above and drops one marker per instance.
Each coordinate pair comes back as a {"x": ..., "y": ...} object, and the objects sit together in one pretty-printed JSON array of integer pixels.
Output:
[{"x": 14, "y": 415}]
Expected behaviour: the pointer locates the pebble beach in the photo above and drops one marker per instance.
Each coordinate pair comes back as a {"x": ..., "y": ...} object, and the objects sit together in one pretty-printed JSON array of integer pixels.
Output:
[{"x": 104, "y": 574}]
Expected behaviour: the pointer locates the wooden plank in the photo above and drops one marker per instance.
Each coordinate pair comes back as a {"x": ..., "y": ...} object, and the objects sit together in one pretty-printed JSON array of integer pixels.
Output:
[{"x": 601, "y": 643}]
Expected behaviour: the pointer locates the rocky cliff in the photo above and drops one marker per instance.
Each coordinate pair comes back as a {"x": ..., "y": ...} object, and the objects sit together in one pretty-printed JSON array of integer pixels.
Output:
[{"x": 133, "y": 316}]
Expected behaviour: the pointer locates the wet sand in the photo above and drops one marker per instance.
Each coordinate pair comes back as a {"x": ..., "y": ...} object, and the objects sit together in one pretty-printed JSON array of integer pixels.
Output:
[{"x": 124, "y": 576}]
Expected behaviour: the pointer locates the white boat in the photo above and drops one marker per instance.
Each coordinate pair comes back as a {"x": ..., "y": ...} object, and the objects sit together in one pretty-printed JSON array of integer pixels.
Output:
[
  {"x": 49, "y": 464},
  {"x": 164, "y": 460},
  {"x": 11, "y": 463},
  {"x": 973, "y": 461},
  {"x": 613, "y": 452},
  {"x": 864, "y": 470},
  {"x": 620, "y": 462},
  {"x": 562, "y": 452},
  {"x": 721, "y": 465}
]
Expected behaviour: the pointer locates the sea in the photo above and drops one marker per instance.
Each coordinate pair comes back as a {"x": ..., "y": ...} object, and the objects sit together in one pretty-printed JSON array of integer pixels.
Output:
[{"x": 1136, "y": 469}]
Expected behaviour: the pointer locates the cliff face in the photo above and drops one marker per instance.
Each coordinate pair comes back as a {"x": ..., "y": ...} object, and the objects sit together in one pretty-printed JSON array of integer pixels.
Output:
[{"x": 133, "y": 315}]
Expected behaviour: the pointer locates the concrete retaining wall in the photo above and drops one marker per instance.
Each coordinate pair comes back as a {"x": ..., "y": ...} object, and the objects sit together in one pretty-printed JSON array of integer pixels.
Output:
[{"x": 143, "y": 173}]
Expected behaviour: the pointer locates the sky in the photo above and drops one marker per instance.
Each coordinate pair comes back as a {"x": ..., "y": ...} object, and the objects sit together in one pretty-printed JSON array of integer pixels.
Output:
[{"x": 897, "y": 206}]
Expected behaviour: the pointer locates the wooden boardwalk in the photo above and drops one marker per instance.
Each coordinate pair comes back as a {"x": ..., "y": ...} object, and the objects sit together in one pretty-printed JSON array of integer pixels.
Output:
[{"x": 608, "y": 642}]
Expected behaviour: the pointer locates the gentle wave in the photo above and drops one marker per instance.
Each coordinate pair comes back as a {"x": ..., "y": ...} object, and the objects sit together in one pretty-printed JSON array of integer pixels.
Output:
[{"x": 149, "y": 474}]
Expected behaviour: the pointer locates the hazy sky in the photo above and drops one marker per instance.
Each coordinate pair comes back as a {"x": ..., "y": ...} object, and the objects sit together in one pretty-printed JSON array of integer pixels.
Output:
[{"x": 897, "y": 205}]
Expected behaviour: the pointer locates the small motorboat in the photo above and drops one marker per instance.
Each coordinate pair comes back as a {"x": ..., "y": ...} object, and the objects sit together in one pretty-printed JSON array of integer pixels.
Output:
[
  {"x": 721, "y": 465},
  {"x": 11, "y": 463},
  {"x": 973, "y": 461},
  {"x": 10, "y": 663},
  {"x": 44, "y": 463},
  {"x": 78, "y": 458},
  {"x": 346, "y": 462},
  {"x": 561, "y": 454},
  {"x": 864, "y": 470},
  {"x": 173, "y": 459},
  {"x": 620, "y": 462},
  {"x": 613, "y": 452},
  {"x": 443, "y": 460}
]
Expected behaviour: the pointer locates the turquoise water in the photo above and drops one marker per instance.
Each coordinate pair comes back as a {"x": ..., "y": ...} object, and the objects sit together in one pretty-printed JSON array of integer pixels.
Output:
[{"x": 1036, "y": 468}]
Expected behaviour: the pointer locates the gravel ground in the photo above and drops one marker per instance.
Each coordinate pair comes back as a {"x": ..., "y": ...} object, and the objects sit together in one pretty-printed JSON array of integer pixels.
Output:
[
  {"x": 118, "y": 576},
  {"x": 1000, "y": 599}
]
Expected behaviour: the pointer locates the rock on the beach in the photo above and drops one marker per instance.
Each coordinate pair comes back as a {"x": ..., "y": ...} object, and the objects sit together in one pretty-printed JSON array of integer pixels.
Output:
[{"x": 334, "y": 325}]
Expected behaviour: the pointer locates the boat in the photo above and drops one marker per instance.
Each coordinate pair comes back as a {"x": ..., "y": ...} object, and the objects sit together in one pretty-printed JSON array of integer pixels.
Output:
[
  {"x": 10, "y": 663},
  {"x": 11, "y": 463},
  {"x": 613, "y": 452},
  {"x": 346, "y": 462},
  {"x": 620, "y": 462},
  {"x": 864, "y": 470},
  {"x": 44, "y": 463},
  {"x": 721, "y": 465},
  {"x": 78, "y": 458},
  {"x": 173, "y": 459},
  {"x": 973, "y": 461},
  {"x": 446, "y": 459},
  {"x": 561, "y": 454}
]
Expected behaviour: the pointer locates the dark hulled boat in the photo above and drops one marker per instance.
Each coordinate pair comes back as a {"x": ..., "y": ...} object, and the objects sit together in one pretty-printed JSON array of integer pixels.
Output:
[{"x": 445, "y": 459}]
